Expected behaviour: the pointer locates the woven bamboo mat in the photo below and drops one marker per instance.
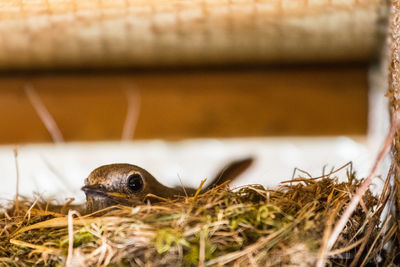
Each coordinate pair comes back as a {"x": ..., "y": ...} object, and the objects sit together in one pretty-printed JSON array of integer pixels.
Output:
[{"x": 114, "y": 33}]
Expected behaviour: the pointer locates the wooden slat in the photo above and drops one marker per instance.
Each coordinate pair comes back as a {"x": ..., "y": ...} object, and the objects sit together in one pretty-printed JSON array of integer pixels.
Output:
[{"x": 197, "y": 103}]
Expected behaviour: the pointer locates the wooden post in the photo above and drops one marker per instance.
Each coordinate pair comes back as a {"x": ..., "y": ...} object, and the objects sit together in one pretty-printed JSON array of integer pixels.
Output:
[{"x": 394, "y": 93}]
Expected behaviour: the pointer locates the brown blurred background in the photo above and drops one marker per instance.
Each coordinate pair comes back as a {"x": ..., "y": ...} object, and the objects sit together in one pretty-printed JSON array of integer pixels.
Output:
[{"x": 253, "y": 102}]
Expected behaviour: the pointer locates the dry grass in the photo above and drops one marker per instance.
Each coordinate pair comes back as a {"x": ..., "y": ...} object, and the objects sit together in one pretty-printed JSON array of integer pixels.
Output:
[{"x": 250, "y": 225}]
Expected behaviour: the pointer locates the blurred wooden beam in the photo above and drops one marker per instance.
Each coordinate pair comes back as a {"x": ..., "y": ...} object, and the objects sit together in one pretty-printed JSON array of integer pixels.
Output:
[
  {"x": 48, "y": 34},
  {"x": 197, "y": 103}
]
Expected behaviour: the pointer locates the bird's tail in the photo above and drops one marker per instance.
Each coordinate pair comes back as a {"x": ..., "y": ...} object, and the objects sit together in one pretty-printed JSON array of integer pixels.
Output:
[{"x": 230, "y": 172}]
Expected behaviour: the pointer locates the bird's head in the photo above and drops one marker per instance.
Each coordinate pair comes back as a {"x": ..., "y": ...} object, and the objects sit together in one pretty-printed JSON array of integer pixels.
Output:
[{"x": 120, "y": 184}]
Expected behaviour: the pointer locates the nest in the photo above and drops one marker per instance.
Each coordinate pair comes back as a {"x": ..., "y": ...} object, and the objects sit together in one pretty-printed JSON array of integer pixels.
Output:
[{"x": 249, "y": 225}]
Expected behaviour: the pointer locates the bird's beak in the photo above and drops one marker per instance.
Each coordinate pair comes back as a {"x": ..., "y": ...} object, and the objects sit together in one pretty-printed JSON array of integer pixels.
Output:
[
  {"x": 96, "y": 192},
  {"x": 94, "y": 189},
  {"x": 100, "y": 190},
  {"x": 97, "y": 198}
]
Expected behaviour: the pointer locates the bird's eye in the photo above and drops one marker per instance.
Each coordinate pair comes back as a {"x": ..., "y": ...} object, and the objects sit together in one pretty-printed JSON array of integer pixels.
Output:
[{"x": 135, "y": 182}]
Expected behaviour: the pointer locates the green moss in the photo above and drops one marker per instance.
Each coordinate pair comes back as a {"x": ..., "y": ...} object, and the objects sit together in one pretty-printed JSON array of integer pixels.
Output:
[
  {"x": 82, "y": 236},
  {"x": 192, "y": 256},
  {"x": 167, "y": 238}
]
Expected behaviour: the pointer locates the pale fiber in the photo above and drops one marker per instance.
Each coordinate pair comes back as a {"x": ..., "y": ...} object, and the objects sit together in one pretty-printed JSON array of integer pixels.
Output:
[{"x": 92, "y": 33}]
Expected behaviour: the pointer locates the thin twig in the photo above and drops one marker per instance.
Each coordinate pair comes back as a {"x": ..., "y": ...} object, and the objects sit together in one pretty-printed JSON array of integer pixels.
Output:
[
  {"x": 372, "y": 246},
  {"x": 360, "y": 191},
  {"x": 71, "y": 213},
  {"x": 132, "y": 114},
  {"x": 17, "y": 180},
  {"x": 183, "y": 187},
  {"x": 365, "y": 240},
  {"x": 202, "y": 248},
  {"x": 44, "y": 114},
  {"x": 36, "y": 247},
  {"x": 311, "y": 178}
]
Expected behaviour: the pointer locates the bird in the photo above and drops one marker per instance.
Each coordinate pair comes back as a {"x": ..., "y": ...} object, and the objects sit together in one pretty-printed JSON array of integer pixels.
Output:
[{"x": 130, "y": 185}]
